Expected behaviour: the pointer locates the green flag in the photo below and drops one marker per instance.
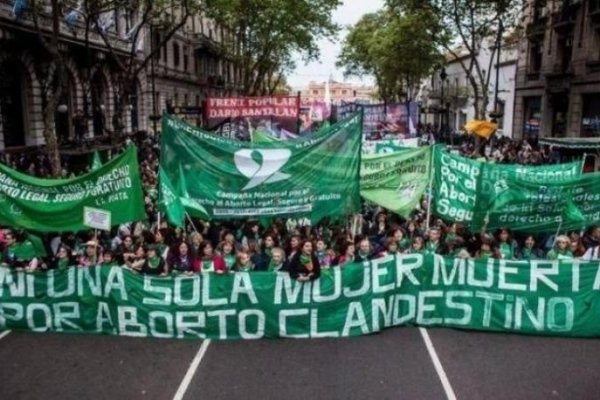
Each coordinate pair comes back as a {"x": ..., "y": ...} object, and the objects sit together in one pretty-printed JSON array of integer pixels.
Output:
[
  {"x": 96, "y": 161},
  {"x": 57, "y": 205},
  {"x": 396, "y": 181},
  {"x": 168, "y": 201},
  {"x": 572, "y": 214},
  {"x": 192, "y": 206},
  {"x": 260, "y": 136},
  {"x": 304, "y": 178},
  {"x": 38, "y": 245}
]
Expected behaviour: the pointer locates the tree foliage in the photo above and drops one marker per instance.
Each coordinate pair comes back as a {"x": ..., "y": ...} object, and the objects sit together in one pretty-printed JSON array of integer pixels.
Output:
[
  {"x": 395, "y": 48},
  {"x": 471, "y": 26},
  {"x": 268, "y": 34}
]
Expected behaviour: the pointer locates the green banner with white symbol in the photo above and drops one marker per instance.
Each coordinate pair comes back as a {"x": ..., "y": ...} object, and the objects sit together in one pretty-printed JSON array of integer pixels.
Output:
[
  {"x": 57, "y": 205},
  {"x": 396, "y": 181},
  {"x": 312, "y": 178}
]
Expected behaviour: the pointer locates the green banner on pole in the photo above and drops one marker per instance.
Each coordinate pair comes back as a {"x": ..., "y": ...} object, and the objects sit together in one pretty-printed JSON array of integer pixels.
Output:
[
  {"x": 558, "y": 298},
  {"x": 510, "y": 196},
  {"x": 312, "y": 178},
  {"x": 57, "y": 205},
  {"x": 396, "y": 181}
]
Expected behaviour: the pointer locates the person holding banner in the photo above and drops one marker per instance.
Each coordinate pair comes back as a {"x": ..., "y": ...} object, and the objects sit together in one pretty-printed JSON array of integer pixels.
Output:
[
  {"x": 347, "y": 256},
  {"x": 305, "y": 266},
  {"x": 211, "y": 262},
  {"x": 529, "y": 251},
  {"x": 505, "y": 244},
  {"x": 63, "y": 259},
  {"x": 277, "y": 262},
  {"x": 92, "y": 255},
  {"x": 182, "y": 261},
  {"x": 434, "y": 244},
  {"x": 417, "y": 246},
  {"x": 243, "y": 262},
  {"x": 226, "y": 252},
  {"x": 561, "y": 250},
  {"x": 154, "y": 264}
]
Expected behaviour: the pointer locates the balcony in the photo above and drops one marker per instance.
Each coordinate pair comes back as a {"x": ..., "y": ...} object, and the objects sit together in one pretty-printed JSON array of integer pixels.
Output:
[
  {"x": 536, "y": 30},
  {"x": 594, "y": 13},
  {"x": 215, "y": 81},
  {"x": 563, "y": 21}
]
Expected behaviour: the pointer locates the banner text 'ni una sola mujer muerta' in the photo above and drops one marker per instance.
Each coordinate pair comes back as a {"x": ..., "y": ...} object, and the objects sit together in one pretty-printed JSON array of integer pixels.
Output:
[{"x": 538, "y": 297}]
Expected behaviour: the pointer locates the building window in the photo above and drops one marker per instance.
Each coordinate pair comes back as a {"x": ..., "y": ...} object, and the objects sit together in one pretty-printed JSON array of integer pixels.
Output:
[
  {"x": 176, "y": 100},
  {"x": 501, "y": 111},
  {"x": 590, "y": 117},
  {"x": 315, "y": 92},
  {"x": 536, "y": 53},
  {"x": 186, "y": 58},
  {"x": 197, "y": 100},
  {"x": 175, "y": 55},
  {"x": 532, "y": 117},
  {"x": 344, "y": 92},
  {"x": 565, "y": 52}
]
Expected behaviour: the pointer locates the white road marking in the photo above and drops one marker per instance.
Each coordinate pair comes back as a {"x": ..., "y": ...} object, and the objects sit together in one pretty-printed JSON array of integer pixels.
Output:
[
  {"x": 3, "y": 334},
  {"x": 187, "y": 379},
  {"x": 437, "y": 364}
]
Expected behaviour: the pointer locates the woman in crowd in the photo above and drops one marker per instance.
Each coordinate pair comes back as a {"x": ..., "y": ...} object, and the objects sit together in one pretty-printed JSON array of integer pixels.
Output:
[
  {"x": 561, "y": 249},
  {"x": 154, "y": 264},
  {"x": 226, "y": 252},
  {"x": 322, "y": 253},
  {"x": 505, "y": 244},
  {"x": 243, "y": 263},
  {"x": 136, "y": 260},
  {"x": 210, "y": 261},
  {"x": 125, "y": 249},
  {"x": 293, "y": 246},
  {"x": 401, "y": 239},
  {"x": 63, "y": 259},
  {"x": 391, "y": 247},
  {"x": 181, "y": 260},
  {"x": 108, "y": 259},
  {"x": 304, "y": 266},
  {"x": 277, "y": 262},
  {"x": 92, "y": 255},
  {"x": 347, "y": 254},
  {"x": 417, "y": 246},
  {"x": 195, "y": 241},
  {"x": 529, "y": 251}
]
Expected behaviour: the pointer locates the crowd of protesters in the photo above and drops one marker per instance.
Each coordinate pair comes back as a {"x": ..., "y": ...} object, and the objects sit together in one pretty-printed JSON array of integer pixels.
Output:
[{"x": 282, "y": 245}]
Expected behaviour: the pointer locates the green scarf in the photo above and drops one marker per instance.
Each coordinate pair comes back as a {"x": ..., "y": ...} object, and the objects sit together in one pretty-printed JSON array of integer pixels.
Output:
[
  {"x": 207, "y": 264},
  {"x": 268, "y": 251},
  {"x": 431, "y": 247},
  {"x": 153, "y": 262},
  {"x": 229, "y": 261},
  {"x": 506, "y": 251},
  {"x": 485, "y": 255},
  {"x": 63, "y": 264},
  {"x": 305, "y": 260},
  {"x": 246, "y": 268},
  {"x": 274, "y": 267}
]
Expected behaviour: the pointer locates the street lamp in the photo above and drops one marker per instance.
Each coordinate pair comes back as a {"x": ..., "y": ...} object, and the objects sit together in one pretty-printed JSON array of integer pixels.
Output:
[
  {"x": 443, "y": 77},
  {"x": 62, "y": 108}
]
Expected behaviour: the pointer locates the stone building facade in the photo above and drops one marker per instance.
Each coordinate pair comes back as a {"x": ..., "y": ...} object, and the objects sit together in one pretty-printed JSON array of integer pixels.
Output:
[
  {"x": 558, "y": 74},
  {"x": 339, "y": 92},
  {"x": 191, "y": 66}
]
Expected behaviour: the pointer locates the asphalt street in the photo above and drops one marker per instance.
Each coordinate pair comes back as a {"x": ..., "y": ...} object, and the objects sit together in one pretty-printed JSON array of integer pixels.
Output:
[{"x": 395, "y": 364}]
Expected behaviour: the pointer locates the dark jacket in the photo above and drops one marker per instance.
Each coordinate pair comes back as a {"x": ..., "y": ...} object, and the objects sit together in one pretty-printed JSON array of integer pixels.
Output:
[{"x": 296, "y": 268}]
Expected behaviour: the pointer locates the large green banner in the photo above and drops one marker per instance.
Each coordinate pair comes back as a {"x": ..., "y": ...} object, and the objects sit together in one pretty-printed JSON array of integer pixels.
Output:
[
  {"x": 541, "y": 297},
  {"x": 57, "y": 205},
  {"x": 532, "y": 206},
  {"x": 396, "y": 181},
  {"x": 310, "y": 178},
  {"x": 470, "y": 191}
]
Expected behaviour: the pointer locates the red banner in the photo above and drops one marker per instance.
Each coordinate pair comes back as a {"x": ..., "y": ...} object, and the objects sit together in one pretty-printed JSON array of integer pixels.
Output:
[{"x": 252, "y": 107}]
